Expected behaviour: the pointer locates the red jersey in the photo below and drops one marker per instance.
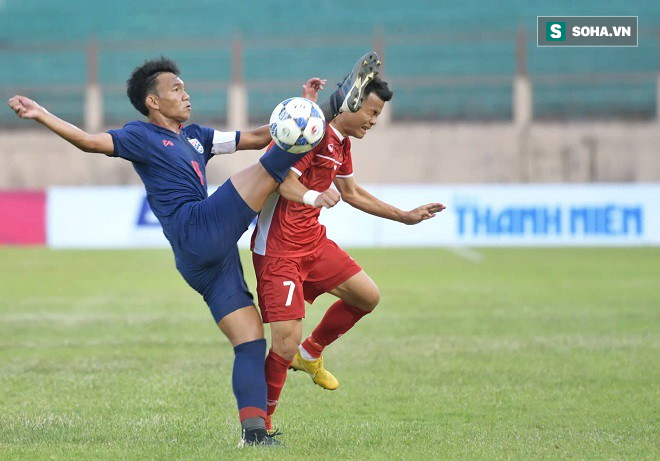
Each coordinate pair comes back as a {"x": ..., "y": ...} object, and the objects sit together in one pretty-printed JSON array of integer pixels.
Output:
[{"x": 291, "y": 229}]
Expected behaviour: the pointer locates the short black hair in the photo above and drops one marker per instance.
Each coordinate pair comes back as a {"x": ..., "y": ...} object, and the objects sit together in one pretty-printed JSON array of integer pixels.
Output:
[
  {"x": 379, "y": 86},
  {"x": 143, "y": 80}
]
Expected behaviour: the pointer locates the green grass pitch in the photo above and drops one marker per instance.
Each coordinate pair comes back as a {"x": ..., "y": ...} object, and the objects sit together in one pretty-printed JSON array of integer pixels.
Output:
[{"x": 525, "y": 354}]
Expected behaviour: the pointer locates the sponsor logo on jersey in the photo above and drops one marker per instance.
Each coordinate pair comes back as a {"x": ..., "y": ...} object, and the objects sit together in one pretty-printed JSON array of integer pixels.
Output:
[
  {"x": 167, "y": 143},
  {"x": 197, "y": 145}
]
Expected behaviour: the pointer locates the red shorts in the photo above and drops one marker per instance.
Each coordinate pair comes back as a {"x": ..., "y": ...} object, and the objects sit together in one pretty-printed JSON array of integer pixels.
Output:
[{"x": 279, "y": 280}]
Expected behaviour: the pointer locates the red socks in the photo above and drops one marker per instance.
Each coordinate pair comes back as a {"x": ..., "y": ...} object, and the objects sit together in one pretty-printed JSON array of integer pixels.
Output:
[
  {"x": 276, "y": 368},
  {"x": 338, "y": 319}
]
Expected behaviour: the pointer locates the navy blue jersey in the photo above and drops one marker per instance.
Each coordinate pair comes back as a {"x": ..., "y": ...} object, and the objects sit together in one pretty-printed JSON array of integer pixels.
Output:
[{"x": 172, "y": 166}]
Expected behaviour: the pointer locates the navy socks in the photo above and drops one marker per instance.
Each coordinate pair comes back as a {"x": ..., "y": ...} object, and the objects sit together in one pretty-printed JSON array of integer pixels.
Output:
[
  {"x": 277, "y": 162},
  {"x": 249, "y": 381}
]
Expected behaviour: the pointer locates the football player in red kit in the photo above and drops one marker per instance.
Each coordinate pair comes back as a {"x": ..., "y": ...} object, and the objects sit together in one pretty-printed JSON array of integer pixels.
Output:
[{"x": 295, "y": 262}]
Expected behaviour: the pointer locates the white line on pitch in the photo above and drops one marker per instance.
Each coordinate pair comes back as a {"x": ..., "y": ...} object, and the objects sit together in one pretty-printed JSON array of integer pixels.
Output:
[{"x": 467, "y": 253}]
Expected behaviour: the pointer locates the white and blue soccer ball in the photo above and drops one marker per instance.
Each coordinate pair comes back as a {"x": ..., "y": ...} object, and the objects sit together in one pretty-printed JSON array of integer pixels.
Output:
[{"x": 297, "y": 125}]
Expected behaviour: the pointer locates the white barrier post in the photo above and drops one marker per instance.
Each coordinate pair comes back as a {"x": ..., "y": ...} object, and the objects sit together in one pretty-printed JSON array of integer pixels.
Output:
[
  {"x": 237, "y": 97},
  {"x": 657, "y": 99},
  {"x": 93, "y": 115},
  {"x": 385, "y": 117},
  {"x": 522, "y": 107}
]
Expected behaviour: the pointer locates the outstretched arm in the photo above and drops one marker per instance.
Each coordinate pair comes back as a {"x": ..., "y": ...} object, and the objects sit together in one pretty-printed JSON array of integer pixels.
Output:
[
  {"x": 259, "y": 138},
  {"x": 292, "y": 189},
  {"x": 254, "y": 139},
  {"x": 28, "y": 109},
  {"x": 359, "y": 198}
]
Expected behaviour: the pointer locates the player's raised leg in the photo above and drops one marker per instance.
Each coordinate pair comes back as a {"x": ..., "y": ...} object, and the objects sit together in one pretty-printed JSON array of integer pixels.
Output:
[
  {"x": 257, "y": 182},
  {"x": 348, "y": 97}
]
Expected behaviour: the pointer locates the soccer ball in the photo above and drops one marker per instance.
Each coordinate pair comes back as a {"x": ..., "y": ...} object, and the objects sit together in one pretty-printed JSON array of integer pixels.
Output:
[{"x": 297, "y": 125}]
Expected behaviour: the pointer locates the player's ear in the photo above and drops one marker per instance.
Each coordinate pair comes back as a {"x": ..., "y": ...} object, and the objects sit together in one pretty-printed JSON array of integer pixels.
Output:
[{"x": 152, "y": 101}]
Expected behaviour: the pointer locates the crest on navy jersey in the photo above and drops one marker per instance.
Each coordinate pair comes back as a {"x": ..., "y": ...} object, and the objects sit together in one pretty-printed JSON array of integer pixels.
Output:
[{"x": 197, "y": 145}]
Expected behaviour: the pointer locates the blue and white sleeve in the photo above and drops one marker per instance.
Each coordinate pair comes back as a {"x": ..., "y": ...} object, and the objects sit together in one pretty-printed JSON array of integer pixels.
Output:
[{"x": 225, "y": 142}]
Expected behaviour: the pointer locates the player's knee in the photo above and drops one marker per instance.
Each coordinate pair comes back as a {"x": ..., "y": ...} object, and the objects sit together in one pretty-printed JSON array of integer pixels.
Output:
[
  {"x": 286, "y": 350},
  {"x": 286, "y": 346},
  {"x": 242, "y": 326},
  {"x": 374, "y": 299},
  {"x": 250, "y": 331},
  {"x": 370, "y": 299}
]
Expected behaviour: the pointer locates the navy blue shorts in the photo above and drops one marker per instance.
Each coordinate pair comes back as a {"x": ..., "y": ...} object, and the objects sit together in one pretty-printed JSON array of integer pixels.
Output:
[{"x": 206, "y": 250}]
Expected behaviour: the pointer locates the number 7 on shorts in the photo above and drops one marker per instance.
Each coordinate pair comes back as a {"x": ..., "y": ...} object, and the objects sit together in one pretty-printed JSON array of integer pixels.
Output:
[{"x": 292, "y": 287}]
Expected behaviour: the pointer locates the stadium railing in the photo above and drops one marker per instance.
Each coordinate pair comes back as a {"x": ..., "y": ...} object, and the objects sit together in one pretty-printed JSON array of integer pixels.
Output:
[{"x": 486, "y": 76}]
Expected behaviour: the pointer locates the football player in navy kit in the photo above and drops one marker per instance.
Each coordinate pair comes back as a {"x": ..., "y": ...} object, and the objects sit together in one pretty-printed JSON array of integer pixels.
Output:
[{"x": 203, "y": 230}]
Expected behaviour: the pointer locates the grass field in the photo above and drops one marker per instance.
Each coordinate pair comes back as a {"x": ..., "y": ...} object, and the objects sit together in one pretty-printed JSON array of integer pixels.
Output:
[{"x": 526, "y": 354}]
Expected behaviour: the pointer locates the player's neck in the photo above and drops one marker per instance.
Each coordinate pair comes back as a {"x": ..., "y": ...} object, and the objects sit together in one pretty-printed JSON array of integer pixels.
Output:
[
  {"x": 338, "y": 126},
  {"x": 170, "y": 124}
]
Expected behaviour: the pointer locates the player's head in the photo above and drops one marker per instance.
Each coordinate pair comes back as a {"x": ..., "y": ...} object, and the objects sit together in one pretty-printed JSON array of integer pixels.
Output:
[
  {"x": 156, "y": 86},
  {"x": 380, "y": 88},
  {"x": 376, "y": 94}
]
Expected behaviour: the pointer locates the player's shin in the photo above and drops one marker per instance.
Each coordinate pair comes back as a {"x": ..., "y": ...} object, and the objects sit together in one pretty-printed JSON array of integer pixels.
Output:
[
  {"x": 277, "y": 162},
  {"x": 249, "y": 384},
  {"x": 338, "y": 319},
  {"x": 276, "y": 369}
]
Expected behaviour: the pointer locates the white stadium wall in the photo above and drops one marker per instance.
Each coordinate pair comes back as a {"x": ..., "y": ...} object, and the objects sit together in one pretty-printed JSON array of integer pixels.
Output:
[
  {"x": 513, "y": 215},
  {"x": 419, "y": 153}
]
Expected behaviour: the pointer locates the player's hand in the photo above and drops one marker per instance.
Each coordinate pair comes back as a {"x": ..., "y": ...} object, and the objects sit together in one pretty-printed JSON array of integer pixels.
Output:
[
  {"x": 312, "y": 87},
  {"x": 422, "y": 213},
  {"x": 327, "y": 199},
  {"x": 25, "y": 107}
]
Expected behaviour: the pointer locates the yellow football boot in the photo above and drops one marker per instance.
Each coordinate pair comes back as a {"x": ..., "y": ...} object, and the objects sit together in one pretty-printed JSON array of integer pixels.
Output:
[
  {"x": 314, "y": 368},
  {"x": 270, "y": 429}
]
